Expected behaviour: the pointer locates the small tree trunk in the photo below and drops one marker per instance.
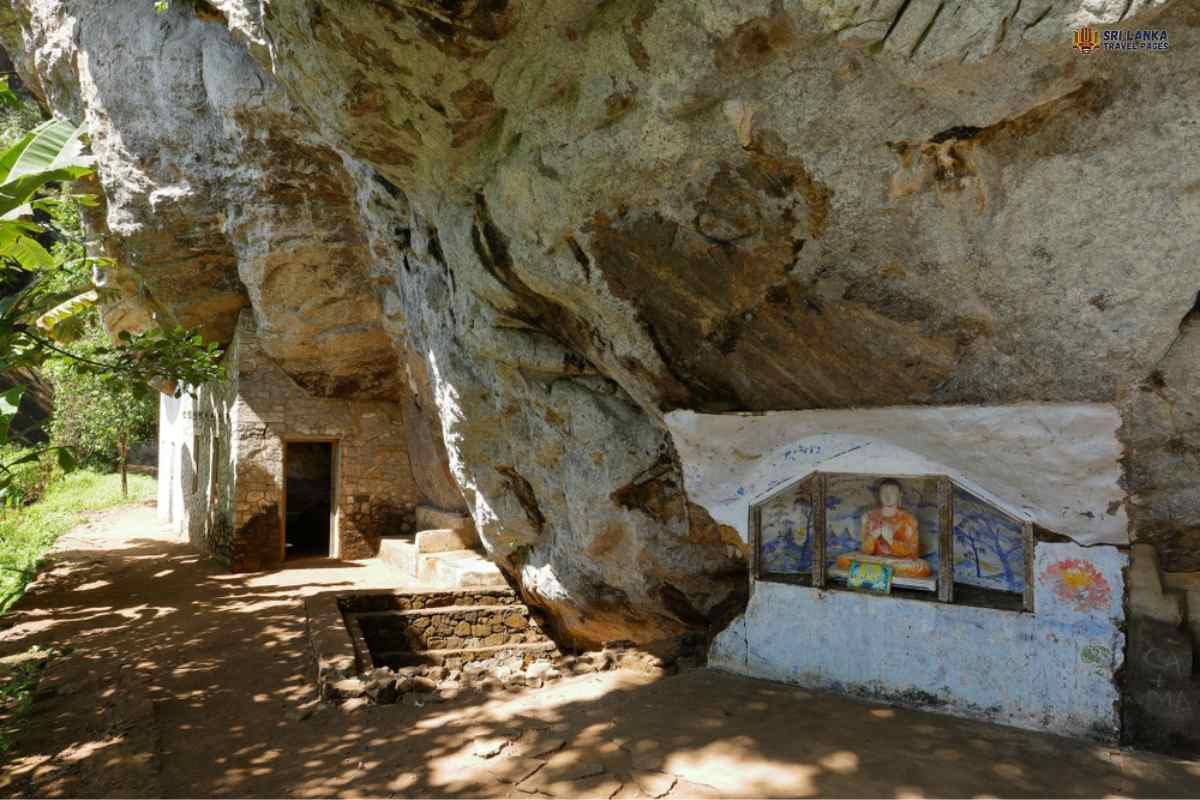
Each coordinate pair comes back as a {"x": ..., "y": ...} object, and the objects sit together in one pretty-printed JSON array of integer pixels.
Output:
[{"x": 122, "y": 450}]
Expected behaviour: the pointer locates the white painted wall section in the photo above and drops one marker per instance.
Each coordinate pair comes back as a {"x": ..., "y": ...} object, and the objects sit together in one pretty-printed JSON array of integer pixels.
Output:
[{"x": 1053, "y": 670}]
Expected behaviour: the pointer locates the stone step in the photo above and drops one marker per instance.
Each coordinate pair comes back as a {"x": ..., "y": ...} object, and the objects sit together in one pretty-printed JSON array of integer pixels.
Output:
[
  {"x": 1165, "y": 715},
  {"x": 457, "y": 658},
  {"x": 430, "y": 518},
  {"x": 1146, "y": 596},
  {"x": 440, "y": 540},
  {"x": 383, "y": 600},
  {"x": 458, "y": 611},
  {"x": 449, "y": 569},
  {"x": 454, "y": 627},
  {"x": 1186, "y": 587},
  {"x": 400, "y": 553},
  {"x": 419, "y": 642},
  {"x": 457, "y": 568},
  {"x": 1168, "y": 663}
]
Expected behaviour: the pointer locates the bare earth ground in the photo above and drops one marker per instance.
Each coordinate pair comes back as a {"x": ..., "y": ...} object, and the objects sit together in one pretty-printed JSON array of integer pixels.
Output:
[{"x": 184, "y": 680}]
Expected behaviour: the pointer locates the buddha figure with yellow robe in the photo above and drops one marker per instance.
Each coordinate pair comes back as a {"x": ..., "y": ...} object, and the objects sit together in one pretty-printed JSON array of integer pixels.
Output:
[{"x": 889, "y": 535}]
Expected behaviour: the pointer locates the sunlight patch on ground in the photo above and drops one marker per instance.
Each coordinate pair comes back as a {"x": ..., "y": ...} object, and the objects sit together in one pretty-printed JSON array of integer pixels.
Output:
[{"x": 733, "y": 767}]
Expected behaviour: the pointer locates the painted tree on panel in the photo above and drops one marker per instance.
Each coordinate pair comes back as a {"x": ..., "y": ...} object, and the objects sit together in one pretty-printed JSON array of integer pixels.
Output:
[{"x": 988, "y": 546}]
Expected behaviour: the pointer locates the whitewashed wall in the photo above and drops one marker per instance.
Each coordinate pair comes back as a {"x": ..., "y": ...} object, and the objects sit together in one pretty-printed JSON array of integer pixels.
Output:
[
  {"x": 1053, "y": 670},
  {"x": 193, "y": 480}
]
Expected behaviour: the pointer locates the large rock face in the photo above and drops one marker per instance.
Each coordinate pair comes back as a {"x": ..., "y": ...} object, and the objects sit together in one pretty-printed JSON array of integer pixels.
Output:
[{"x": 558, "y": 220}]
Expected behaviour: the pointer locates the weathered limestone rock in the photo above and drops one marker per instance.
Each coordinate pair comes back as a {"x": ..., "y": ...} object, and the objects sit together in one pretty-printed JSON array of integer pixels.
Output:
[
  {"x": 559, "y": 220},
  {"x": 1162, "y": 428}
]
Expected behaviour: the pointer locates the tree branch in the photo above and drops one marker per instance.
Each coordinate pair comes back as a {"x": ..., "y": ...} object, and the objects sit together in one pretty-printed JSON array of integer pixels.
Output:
[{"x": 68, "y": 354}]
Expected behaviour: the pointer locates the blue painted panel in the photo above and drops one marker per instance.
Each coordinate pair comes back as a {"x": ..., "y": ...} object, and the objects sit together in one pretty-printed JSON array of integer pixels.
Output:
[
  {"x": 988, "y": 545},
  {"x": 787, "y": 532}
]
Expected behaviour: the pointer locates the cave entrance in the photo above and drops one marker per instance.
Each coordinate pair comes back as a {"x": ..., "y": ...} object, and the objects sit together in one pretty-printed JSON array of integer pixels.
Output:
[{"x": 308, "y": 499}]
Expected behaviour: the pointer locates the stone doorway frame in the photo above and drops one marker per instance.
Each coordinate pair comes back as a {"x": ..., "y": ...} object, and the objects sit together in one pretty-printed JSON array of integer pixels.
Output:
[{"x": 335, "y": 472}]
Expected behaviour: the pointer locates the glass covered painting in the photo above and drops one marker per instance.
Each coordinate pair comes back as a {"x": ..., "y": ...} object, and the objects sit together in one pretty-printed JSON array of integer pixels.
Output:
[
  {"x": 903, "y": 532},
  {"x": 884, "y": 520},
  {"x": 787, "y": 531},
  {"x": 989, "y": 545}
]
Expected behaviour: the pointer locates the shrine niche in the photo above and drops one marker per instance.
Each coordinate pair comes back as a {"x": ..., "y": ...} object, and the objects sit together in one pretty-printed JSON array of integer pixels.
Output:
[
  {"x": 963, "y": 559},
  {"x": 918, "y": 535}
]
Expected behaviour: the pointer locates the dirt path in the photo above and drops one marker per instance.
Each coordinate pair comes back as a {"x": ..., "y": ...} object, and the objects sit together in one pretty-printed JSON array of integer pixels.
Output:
[{"x": 183, "y": 680}]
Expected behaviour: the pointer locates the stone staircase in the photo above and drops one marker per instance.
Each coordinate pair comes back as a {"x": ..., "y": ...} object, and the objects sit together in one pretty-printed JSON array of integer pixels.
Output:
[{"x": 445, "y": 553}]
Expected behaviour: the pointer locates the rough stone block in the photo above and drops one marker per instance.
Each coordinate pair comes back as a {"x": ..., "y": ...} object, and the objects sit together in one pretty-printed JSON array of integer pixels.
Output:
[
  {"x": 443, "y": 540},
  {"x": 345, "y": 688},
  {"x": 429, "y": 518},
  {"x": 1146, "y": 596}
]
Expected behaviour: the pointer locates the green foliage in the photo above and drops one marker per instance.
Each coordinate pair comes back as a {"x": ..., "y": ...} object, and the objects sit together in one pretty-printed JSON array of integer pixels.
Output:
[
  {"x": 22, "y": 470},
  {"x": 28, "y": 532},
  {"x": 50, "y": 297},
  {"x": 51, "y": 152},
  {"x": 97, "y": 411},
  {"x": 18, "y": 115},
  {"x": 30, "y": 469},
  {"x": 38, "y": 279}
]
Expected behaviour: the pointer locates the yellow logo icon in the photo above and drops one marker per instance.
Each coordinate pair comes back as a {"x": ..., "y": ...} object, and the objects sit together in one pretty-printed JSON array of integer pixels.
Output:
[{"x": 1086, "y": 40}]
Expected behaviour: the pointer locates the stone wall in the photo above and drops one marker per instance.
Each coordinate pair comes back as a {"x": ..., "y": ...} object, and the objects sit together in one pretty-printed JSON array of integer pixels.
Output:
[
  {"x": 426, "y": 647},
  {"x": 222, "y": 452},
  {"x": 374, "y": 491}
]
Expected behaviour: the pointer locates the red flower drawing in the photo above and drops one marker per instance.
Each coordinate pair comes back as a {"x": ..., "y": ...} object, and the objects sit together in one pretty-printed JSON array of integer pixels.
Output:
[{"x": 1078, "y": 584}]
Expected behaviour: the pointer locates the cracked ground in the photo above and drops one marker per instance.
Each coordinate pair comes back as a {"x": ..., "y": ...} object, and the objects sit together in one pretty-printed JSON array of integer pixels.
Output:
[{"x": 178, "y": 679}]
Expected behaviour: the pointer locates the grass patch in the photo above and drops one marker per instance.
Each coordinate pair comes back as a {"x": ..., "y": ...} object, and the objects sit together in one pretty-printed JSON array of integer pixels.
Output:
[{"x": 27, "y": 533}]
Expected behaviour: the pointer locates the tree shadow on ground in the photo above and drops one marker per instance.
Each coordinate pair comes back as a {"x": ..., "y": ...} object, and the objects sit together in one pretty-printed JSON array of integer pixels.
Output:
[{"x": 184, "y": 680}]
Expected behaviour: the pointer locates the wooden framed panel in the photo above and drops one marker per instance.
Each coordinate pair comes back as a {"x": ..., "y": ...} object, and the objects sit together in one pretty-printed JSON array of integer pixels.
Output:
[
  {"x": 796, "y": 537},
  {"x": 945, "y": 584},
  {"x": 820, "y": 488},
  {"x": 784, "y": 533},
  {"x": 1027, "y": 535}
]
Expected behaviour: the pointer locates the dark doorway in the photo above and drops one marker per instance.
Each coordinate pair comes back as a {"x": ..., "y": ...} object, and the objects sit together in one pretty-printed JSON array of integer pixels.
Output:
[{"x": 309, "y": 500}]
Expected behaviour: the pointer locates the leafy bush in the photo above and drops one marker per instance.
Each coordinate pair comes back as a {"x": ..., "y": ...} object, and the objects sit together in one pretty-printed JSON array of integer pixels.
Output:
[
  {"x": 29, "y": 478},
  {"x": 17, "y": 118},
  {"x": 94, "y": 415}
]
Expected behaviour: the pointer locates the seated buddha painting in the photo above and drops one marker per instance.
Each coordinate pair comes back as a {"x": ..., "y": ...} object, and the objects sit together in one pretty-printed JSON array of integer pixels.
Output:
[{"x": 884, "y": 532}]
